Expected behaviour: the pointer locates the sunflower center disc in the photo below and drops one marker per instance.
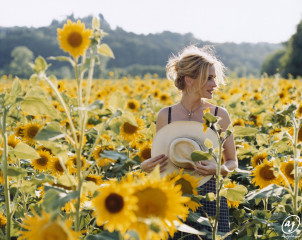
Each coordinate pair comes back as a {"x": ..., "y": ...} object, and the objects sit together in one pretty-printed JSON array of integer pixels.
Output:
[
  {"x": 130, "y": 129},
  {"x": 42, "y": 161},
  {"x": 75, "y": 39},
  {"x": 114, "y": 203},
  {"x": 267, "y": 173}
]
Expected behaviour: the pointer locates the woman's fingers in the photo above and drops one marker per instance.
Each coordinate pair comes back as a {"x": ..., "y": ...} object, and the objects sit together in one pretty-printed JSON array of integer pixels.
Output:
[{"x": 159, "y": 160}]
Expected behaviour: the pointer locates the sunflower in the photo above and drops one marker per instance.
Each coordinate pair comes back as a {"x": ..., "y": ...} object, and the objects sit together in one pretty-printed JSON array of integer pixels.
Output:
[
  {"x": 164, "y": 98},
  {"x": 98, "y": 180},
  {"x": 73, "y": 163},
  {"x": 258, "y": 159},
  {"x": 30, "y": 131},
  {"x": 287, "y": 169},
  {"x": 56, "y": 166},
  {"x": 74, "y": 38},
  {"x": 232, "y": 204},
  {"x": 70, "y": 206},
  {"x": 1, "y": 178},
  {"x": 206, "y": 123},
  {"x": 3, "y": 221},
  {"x": 264, "y": 175},
  {"x": 145, "y": 151},
  {"x": 159, "y": 198},
  {"x": 12, "y": 141},
  {"x": 44, "y": 162},
  {"x": 43, "y": 228},
  {"x": 131, "y": 132},
  {"x": 299, "y": 111},
  {"x": 114, "y": 206},
  {"x": 96, "y": 154},
  {"x": 188, "y": 185},
  {"x": 238, "y": 122},
  {"x": 19, "y": 130},
  {"x": 132, "y": 105},
  {"x": 300, "y": 135}
]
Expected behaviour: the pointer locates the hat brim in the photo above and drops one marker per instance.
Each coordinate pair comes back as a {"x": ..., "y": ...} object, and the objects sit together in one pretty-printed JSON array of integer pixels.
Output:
[{"x": 181, "y": 129}]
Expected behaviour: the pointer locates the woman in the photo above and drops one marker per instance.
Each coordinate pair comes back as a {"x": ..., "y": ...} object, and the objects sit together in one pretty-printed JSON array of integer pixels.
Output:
[{"x": 196, "y": 72}]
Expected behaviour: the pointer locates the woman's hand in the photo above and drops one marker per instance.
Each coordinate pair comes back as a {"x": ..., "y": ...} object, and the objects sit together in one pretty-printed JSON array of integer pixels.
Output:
[
  {"x": 206, "y": 168},
  {"x": 149, "y": 164}
]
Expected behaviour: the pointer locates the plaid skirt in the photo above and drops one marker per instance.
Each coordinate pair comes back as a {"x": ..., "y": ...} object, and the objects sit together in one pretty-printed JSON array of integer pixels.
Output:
[{"x": 210, "y": 209}]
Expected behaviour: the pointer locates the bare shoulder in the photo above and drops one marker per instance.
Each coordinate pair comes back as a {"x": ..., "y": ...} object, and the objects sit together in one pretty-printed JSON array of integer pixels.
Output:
[
  {"x": 225, "y": 120},
  {"x": 162, "y": 118}
]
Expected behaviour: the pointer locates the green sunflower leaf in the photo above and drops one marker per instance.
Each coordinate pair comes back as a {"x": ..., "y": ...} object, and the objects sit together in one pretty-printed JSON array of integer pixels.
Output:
[
  {"x": 240, "y": 131},
  {"x": 50, "y": 132},
  {"x": 270, "y": 190},
  {"x": 234, "y": 194},
  {"x": 38, "y": 106},
  {"x": 105, "y": 50},
  {"x": 197, "y": 156},
  {"x": 24, "y": 151}
]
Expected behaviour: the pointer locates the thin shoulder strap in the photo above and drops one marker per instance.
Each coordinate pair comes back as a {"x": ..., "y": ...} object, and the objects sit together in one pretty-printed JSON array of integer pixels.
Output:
[
  {"x": 216, "y": 111},
  {"x": 169, "y": 116}
]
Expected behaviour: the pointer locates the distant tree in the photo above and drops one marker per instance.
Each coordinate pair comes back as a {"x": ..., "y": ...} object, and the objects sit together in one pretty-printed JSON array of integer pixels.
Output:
[
  {"x": 272, "y": 64},
  {"x": 19, "y": 66},
  {"x": 292, "y": 59}
]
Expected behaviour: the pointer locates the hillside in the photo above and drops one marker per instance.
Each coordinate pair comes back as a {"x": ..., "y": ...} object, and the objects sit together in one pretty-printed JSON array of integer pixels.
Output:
[{"x": 135, "y": 53}]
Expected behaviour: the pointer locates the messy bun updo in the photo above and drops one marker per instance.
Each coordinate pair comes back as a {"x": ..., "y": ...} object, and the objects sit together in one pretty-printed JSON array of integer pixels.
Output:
[{"x": 194, "y": 62}]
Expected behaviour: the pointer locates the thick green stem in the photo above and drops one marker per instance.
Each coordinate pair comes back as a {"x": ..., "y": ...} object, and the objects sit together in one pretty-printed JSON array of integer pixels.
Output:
[
  {"x": 218, "y": 187},
  {"x": 5, "y": 175},
  {"x": 296, "y": 159}
]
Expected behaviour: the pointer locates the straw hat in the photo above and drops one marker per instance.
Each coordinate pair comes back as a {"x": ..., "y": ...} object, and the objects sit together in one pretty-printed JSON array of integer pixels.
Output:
[{"x": 177, "y": 141}]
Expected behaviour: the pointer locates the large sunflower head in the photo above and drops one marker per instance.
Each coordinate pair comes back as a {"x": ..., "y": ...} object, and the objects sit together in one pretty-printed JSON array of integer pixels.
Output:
[
  {"x": 188, "y": 184},
  {"x": 114, "y": 206},
  {"x": 74, "y": 38},
  {"x": 43, "y": 228},
  {"x": 264, "y": 174},
  {"x": 160, "y": 198},
  {"x": 287, "y": 169}
]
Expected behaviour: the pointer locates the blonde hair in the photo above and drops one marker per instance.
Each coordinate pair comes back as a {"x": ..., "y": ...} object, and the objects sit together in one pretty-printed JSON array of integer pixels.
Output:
[{"x": 194, "y": 62}]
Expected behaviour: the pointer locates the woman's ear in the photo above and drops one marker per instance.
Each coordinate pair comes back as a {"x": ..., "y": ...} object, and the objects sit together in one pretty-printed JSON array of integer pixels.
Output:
[{"x": 188, "y": 81}]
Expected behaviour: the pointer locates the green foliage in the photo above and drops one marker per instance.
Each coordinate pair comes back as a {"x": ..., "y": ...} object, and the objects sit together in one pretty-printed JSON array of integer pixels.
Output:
[
  {"x": 292, "y": 60},
  {"x": 22, "y": 56},
  {"x": 288, "y": 60},
  {"x": 134, "y": 54},
  {"x": 272, "y": 63}
]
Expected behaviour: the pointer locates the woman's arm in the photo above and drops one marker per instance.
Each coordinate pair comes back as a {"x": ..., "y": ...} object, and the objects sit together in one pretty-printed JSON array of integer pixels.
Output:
[
  {"x": 229, "y": 151},
  {"x": 149, "y": 164}
]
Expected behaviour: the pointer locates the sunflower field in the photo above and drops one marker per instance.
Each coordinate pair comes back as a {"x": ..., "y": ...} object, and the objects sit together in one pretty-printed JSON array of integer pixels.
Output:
[{"x": 71, "y": 153}]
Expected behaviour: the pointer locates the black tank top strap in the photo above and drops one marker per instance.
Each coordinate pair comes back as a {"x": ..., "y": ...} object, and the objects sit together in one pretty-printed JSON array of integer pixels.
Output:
[
  {"x": 216, "y": 111},
  {"x": 169, "y": 116}
]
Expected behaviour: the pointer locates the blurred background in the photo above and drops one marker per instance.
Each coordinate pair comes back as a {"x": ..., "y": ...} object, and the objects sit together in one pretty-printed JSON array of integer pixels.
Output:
[{"x": 250, "y": 37}]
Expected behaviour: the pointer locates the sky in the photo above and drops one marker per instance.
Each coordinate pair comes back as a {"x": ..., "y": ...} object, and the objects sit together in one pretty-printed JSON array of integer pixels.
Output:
[{"x": 272, "y": 21}]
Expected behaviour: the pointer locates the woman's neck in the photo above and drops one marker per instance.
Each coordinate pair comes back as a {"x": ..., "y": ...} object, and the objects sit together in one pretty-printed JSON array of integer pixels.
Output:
[{"x": 191, "y": 103}]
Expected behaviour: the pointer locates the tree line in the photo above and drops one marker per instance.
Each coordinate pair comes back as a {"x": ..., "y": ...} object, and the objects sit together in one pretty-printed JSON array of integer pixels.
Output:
[
  {"x": 286, "y": 61},
  {"x": 135, "y": 54}
]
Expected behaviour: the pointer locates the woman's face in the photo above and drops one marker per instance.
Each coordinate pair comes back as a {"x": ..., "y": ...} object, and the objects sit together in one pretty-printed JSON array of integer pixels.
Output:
[{"x": 207, "y": 90}]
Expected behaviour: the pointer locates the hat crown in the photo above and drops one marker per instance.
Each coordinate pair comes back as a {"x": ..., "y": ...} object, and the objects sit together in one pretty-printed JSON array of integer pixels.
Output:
[{"x": 180, "y": 152}]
